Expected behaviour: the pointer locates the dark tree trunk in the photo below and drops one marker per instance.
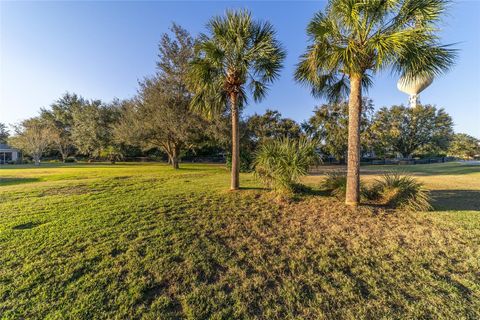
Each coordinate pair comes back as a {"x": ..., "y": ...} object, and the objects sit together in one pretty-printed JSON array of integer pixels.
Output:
[
  {"x": 235, "y": 180},
  {"x": 175, "y": 153},
  {"x": 64, "y": 155},
  {"x": 353, "y": 165}
]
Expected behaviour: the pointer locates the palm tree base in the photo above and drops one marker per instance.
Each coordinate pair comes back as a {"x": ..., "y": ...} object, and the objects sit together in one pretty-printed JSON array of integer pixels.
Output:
[{"x": 351, "y": 204}]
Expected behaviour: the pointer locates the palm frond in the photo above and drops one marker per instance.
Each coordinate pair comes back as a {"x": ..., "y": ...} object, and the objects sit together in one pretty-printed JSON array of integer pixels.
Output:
[
  {"x": 237, "y": 54},
  {"x": 362, "y": 37}
]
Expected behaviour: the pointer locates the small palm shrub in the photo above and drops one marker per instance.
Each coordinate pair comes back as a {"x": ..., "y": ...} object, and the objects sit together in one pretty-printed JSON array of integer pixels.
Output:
[
  {"x": 280, "y": 163},
  {"x": 336, "y": 183},
  {"x": 400, "y": 191}
]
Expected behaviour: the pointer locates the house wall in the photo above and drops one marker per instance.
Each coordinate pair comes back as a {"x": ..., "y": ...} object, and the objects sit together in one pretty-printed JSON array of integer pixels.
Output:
[{"x": 11, "y": 156}]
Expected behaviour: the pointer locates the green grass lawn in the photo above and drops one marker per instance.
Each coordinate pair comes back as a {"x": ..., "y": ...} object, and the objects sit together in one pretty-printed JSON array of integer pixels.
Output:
[{"x": 132, "y": 241}]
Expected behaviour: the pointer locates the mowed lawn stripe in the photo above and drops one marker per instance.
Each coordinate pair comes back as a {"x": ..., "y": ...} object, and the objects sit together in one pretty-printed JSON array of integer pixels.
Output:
[{"x": 145, "y": 241}]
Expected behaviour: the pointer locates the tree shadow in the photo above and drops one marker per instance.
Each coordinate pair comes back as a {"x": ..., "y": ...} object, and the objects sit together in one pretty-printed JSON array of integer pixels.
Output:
[
  {"x": 14, "y": 181},
  {"x": 433, "y": 169},
  {"x": 28, "y": 225},
  {"x": 309, "y": 191},
  {"x": 458, "y": 200},
  {"x": 253, "y": 188}
]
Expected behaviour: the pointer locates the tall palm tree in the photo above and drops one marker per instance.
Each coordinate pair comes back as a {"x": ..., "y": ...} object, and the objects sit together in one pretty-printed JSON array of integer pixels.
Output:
[
  {"x": 354, "y": 39},
  {"x": 237, "y": 54}
]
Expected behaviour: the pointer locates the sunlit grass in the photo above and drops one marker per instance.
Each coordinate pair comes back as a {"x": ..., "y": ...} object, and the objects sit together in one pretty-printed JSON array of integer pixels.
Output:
[{"x": 142, "y": 240}]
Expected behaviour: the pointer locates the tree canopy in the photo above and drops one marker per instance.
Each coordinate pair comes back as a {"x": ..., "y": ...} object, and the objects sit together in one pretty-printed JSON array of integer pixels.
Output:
[
  {"x": 59, "y": 118},
  {"x": 423, "y": 130},
  {"x": 464, "y": 146},
  {"x": 4, "y": 133},
  {"x": 329, "y": 125},
  {"x": 159, "y": 117},
  {"x": 33, "y": 136}
]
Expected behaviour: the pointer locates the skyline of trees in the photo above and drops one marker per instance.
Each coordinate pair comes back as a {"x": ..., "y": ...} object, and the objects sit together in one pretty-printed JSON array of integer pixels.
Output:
[
  {"x": 202, "y": 84},
  {"x": 387, "y": 132}
]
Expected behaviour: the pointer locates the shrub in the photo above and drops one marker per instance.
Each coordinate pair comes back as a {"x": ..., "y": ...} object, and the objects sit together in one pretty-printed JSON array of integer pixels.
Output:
[
  {"x": 336, "y": 183},
  {"x": 280, "y": 163},
  {"x": 400, "y": 191},
  {"x": 112, "y": 154},
  {"x": 70, "y": 160},
  {"x": 246, "y": 160}
]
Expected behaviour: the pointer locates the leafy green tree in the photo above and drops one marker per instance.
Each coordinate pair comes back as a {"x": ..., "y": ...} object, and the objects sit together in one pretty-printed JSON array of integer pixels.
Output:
[
  {"x": 112, "y": 153},
  {"x": 257, "y": 129},
  {"x": 92, "y": 127},
  {"x": 33, "y": 137},
  {"x": 4, "y": 133},
  {"x": 419, "y": 130},
  {"x": 329, "y": 125},
  {"x": 354, "y": 39},
  {"x": 59, "y": 117},
  {"x": 271, "y": 125},
  {"x": 160, "y": 116},
  {"x": 237, "y": 56},
  {"x": 464, "y": 146}
]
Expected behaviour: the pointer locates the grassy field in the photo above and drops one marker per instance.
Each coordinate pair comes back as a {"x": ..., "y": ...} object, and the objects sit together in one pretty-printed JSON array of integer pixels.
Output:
[{"x": 131, "y": 241}]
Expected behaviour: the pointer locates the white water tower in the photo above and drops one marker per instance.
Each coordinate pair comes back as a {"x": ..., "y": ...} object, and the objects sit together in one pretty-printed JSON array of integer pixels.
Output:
[{"x": 413, "y": 87}]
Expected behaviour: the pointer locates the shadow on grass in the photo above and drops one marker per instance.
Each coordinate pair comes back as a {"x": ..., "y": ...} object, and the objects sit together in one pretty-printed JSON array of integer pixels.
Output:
[
  {"x": 308, "y": 191},
  {"x": 14, "y": 181},
  {"x": 434, "y": 169},
  {"x": 458, "y": 200},
  {"x": 425, "y": 169},
  {"x": 28, "y": 225},
  {"x": 253, "y": 188}
]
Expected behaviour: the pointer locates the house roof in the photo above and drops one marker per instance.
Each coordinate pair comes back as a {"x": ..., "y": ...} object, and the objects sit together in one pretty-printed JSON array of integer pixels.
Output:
[{"x": 4, "y": 146}]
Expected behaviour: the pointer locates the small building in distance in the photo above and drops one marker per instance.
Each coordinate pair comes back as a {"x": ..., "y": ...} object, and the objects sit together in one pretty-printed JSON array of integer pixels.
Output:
[{"x": 9, "y": 155}]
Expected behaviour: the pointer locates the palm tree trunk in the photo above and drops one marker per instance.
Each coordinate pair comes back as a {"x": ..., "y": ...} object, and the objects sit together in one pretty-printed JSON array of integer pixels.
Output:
[
  {"x": 235, "y": 181},
  {"x": 353, "y": 164}
]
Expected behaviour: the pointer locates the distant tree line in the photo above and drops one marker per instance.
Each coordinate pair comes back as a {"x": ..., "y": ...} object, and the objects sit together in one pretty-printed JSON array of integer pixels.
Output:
[
  {"x": 168, "y": 118},
  {"x": 74, "y": 126}
]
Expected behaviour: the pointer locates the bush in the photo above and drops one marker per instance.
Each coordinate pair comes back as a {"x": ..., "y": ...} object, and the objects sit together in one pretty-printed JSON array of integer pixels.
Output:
[
  {"x": 246, "y": 160},
  {"x": 280, "y": 163},
  {"x": 400, "y": 191},
  {"x": 336, "y": 183},
  {"x": 70, "y": 160},
  {"x": 112, "y": 154}
]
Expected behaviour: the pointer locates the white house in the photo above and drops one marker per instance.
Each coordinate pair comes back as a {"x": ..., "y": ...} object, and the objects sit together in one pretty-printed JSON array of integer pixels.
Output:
[{"x": 9, "y": 155}]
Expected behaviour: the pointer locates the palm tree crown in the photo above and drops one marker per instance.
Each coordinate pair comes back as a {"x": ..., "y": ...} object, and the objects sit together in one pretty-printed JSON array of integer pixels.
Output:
[
  {"x": 238, "y": 54},
  {"x": 238, "y": 51},
  {"x": 362, "y": 37}
]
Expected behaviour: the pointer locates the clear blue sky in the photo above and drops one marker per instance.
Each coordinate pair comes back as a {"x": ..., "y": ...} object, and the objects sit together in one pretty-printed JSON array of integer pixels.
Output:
[{"x": 101, "y": 49}]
